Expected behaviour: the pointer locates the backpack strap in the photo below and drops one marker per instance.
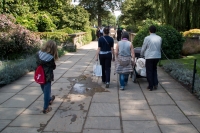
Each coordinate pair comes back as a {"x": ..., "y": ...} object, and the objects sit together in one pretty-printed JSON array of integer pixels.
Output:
[{"x": 106, "y": 40}]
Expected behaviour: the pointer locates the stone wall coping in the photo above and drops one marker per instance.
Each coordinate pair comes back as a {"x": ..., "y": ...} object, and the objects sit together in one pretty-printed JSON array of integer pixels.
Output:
[{"x": 77, "y": 34}]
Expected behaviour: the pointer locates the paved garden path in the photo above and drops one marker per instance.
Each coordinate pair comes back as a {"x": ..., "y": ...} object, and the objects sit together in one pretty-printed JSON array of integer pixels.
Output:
[{"x": 84, "y": 105}]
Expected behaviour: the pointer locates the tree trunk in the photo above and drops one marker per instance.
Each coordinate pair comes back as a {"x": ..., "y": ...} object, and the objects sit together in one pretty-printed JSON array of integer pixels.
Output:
[{"x": 99, "y": 21}]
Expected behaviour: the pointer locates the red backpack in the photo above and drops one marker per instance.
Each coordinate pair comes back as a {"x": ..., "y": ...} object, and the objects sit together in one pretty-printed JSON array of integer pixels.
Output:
[{"x": 39, "y": 75}]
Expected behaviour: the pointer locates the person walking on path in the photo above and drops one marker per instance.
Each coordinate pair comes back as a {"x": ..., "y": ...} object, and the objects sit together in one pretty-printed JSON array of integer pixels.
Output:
[
  {"x": 98, "y": 33},
  {"x": 151, "y": 50},
  {"x": 119, "y": 34},
  {"x": 46, "y": 57},
  {"x": 101, "y": 31},
  {"x": 124, "y": 59},
  {"x": 105, "y": 53}
]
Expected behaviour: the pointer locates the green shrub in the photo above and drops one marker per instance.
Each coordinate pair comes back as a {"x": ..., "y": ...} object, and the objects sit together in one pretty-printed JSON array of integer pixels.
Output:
[
  {"x": 184, "y": 75},
  {"x": 172, "y": 40},
  {"x": 93, "y": 34},
  {"x": 16, "y": 40},
  {"x": 44, "y": 22},
  {"x": 57, "y": 36},
  {"x": 66, "y": 30},
  {"x": 27, "y": 21},
  {"x": 13, "y": 70},
  {"x": 88, "y": 37}
]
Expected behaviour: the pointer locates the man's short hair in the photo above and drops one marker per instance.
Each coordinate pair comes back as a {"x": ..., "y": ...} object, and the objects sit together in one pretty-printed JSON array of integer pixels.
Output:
[{"x": 152, "y": 29}]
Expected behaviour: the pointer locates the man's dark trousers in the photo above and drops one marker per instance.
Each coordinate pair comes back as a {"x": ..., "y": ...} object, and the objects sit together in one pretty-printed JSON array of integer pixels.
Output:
[
  {"x": 151, "y": 71},
  {"x": 105, "y": 62}
]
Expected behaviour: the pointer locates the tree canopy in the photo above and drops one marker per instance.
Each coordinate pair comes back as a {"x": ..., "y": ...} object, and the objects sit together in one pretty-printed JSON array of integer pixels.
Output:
[
  {"x": 99, "y": 8},
  {"x": 46, "y": 15},
  {"x": 181, "y": 14}
]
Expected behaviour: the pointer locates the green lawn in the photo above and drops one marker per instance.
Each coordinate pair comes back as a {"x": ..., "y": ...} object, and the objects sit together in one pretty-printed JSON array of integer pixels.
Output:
[{"x": 188, "y": 62}]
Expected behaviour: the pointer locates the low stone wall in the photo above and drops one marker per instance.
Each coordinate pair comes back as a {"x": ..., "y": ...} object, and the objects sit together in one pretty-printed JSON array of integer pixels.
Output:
[
  {"x": 76, "y": 41},
  {"x": 131, "y": 36}
]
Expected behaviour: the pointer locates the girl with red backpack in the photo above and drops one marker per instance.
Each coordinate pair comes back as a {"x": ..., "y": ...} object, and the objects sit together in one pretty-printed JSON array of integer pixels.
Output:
[{"x": 46, "y": 58}]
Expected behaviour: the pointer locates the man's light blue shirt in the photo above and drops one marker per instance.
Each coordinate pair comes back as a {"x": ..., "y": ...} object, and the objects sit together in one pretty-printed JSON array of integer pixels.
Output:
[{"x": 151, "y": 47}]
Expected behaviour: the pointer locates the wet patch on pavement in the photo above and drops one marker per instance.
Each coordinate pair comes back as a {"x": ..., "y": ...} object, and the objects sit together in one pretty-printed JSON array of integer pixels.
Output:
[{"x": 84, "y": 85}]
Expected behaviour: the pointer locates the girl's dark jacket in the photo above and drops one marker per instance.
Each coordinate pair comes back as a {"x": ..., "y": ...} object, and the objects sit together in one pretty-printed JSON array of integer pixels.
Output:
[{"x": 48, "y": 64}]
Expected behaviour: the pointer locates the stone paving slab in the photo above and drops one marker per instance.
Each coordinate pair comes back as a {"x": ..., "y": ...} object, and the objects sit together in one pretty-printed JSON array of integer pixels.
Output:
[
  {"x": 170, "y": 84},
  {"x": 195, "y": 121},
  {"x": 186, "y": 128},
  {"x": 134, "y": 115},
  {"x": 20, "y": 130},
  {"x": 66, "y": 121},
  {"x": 103, "y": 109},
  {"x": 143, "y": 84},
  {"x": 158, "y": 98},
  {"x": 12, "y": 88},
  {"x": 37, "y": 107},
  {"x": 169, "y": 114},
  {"x": 140, "y": 127},
  {"x": 133, "y": 104},
  {"x": 61, "y": 70},
  {"x": 30, "y": 74},
  {"x": 34, "y": 84},
  {"x": 57, "y": 76},
  {"x": 5, "y": 96},
  {"x": 189, "y": 107},
  {"x": 76, "y": 102},
  {"x": 133, "y": 96},
  {"x": 30, "y": 120},
  {"x": 31, "y": 91},
  {"x": 105, "y": 97},
  {"x": 62, "y": 80},
  {"x": 10, "y": 113},
  {"x": 100, "y": 131},
  {"x": 24, "y": 81},
  {"x": 20, "y": 101},
  {"x": 4, "y": 123},
  {"x": 101, "y": 123},
  {"x": 180, "y": 94}
]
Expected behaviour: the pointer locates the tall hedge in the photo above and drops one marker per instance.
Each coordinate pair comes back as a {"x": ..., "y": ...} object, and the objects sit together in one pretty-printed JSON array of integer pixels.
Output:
[{"x": 172, "y": 40}]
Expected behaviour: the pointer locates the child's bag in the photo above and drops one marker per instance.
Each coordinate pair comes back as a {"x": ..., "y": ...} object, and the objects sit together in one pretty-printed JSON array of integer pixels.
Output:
[{"x": 39, "y": 75}]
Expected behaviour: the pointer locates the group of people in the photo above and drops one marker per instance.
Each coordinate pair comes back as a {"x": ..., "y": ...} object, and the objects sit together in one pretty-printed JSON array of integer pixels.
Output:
[
  {"x": 100, "y": 32},
  {"x": 125, "y": 59}
]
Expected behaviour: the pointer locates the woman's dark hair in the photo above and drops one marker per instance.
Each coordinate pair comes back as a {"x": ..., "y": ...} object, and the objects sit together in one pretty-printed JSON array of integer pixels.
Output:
[
  {"x": 152, "y": 29},
  {"x": 106, "y": 30},
  {"x": 125, "y": 35}
]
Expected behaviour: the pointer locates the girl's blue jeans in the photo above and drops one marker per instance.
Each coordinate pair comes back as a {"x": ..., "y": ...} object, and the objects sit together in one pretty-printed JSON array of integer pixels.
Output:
[
  {"x": 123, "y": 79},
  {"x": 46, "y": 88}
]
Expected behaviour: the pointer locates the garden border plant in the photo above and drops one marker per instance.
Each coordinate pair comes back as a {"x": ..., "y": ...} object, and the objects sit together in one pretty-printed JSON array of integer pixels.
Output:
[{"x": 183, "y": 75}]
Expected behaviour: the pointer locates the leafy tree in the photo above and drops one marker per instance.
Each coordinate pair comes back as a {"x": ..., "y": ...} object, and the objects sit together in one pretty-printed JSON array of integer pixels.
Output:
[
  {"x": 99, "y": 8},
  {"x": 135, "y": 11},
  {"x": 110, "y": 20},
  {"x": 181, "y": 14}
]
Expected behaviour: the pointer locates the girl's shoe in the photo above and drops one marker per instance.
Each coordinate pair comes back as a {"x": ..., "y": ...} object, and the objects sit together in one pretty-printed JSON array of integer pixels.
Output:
[
  {"x": 47, "y": 110},
  {"x": 52, "y": 99}
]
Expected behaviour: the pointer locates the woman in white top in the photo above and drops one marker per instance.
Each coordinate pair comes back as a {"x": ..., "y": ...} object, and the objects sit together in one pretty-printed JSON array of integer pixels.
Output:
[{"x": 124, "y": 57}]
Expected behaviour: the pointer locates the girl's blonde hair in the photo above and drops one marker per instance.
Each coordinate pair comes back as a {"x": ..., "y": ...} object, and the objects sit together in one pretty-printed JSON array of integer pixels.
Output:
[{"x": 51, "y": 48}]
